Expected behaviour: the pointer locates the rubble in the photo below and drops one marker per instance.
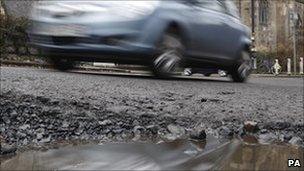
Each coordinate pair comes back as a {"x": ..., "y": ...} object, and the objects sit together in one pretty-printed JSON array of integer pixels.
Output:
[
  {"x": 199, "y": 135},
  {"x": 251, "y": 126},
  {"x": 296, "y": 141}
]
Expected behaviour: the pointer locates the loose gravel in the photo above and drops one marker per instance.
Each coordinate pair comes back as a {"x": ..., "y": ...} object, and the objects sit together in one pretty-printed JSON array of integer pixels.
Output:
[{"x": 41, "y": 107}]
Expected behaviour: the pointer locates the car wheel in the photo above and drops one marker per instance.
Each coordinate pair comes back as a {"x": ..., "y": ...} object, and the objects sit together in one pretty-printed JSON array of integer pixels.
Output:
[
  {"x": 62, "y": 64},
  {"x": 169, "y": 57},
  {"x": 242, "y": 69}
]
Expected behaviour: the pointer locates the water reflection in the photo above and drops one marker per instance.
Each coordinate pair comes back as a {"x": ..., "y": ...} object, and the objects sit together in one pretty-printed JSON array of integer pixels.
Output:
[
  {"x": 262, "y": 157},
  {"x": 177, "y": 155}
]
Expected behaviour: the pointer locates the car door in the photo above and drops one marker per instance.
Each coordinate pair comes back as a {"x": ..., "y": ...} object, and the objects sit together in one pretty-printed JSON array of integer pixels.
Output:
[{"x": 211, "y": 39}]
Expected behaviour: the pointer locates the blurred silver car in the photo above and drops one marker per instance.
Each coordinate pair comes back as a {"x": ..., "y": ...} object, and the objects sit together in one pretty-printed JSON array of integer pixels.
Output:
[{"x": 164, "y": 35}]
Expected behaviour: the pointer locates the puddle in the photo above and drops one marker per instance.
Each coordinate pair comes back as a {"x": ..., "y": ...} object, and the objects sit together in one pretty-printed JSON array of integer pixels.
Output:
[{"x": 177, "y": 155}]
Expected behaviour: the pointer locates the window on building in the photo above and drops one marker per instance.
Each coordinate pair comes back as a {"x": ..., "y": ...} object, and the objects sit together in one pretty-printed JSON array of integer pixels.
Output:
[{"x": 263, "y": 12}]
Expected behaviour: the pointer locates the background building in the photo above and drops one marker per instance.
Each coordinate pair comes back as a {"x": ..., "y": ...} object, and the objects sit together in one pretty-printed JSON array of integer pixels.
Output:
[{"x": 277, "y": 25}]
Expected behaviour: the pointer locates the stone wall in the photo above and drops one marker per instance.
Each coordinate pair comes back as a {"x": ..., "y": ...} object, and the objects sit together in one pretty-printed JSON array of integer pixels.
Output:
[
  {"x": 300, "y": 31},
  {"x": 275, "y": 35},
  {"x": 244, "y": 7}
]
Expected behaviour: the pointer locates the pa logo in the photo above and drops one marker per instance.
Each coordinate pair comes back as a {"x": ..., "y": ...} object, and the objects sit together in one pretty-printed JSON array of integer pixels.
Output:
[{"x": 294, "y": 163}]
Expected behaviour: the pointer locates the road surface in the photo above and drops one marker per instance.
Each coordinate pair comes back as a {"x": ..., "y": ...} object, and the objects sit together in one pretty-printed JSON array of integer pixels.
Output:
[{"x": 42, "y": 106}]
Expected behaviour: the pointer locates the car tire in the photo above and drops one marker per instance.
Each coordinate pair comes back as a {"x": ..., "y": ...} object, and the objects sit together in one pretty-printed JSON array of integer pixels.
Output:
[
  {"x": 62, "y": 64},
  {"x": 242, "y": 68},
  {"x": 170, "y": 56}
]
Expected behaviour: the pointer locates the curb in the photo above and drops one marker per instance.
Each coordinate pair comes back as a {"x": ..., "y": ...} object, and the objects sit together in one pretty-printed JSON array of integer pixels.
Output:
[
  {"x": 121, "y": 69},
  {"x": 18, "y": 63},
  {"x": 278, "y": 76}
]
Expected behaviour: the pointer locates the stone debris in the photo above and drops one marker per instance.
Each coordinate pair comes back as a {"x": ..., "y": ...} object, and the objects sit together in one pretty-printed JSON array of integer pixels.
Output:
[
  {"x": 29, "y": 120},
  {"x": 251, "y": 126},
  {"x": 198, "y": 135}
]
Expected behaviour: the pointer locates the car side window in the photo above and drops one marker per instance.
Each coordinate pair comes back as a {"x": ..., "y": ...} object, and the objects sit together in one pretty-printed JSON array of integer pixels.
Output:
[{"x": 215, "y": 5}]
